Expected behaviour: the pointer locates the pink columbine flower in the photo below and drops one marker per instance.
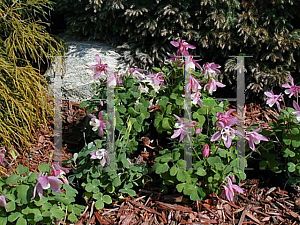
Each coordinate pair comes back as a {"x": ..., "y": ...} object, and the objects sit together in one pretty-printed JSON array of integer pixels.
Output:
[
  {"x": 114, "y": 80},
  {"x": 60, "y": 172},
  {"x": 182, "y": 126},
  {"x": 212, "y": 85},
  {"x": 158, "y": 78},
  {"x": 3, "y": 202},
  {"x": 195, "y": 86},
  {"x": 274, "y": 99},
  {"x": 254, "y": 138},
  {"x": 226, "y": 118},
  {"x": 2, "y": 156},
  {"x": 182, "y": 47},
  {"x": 196, "y": 98},
  {"x": 227, "y": 133},
  {"x": 99, "y": 154},
  {"x": 297, "y": 108},
  {"x": 99, "y": 68},
  {"x": 45, "y": 182},
  {"x": 173, "y": 57},
  {"x": 198, "y": 130},
  {"x": 191, "y": 60},
  {"x": 98, "y": 123},
  {"x": 211, "y": 68},
  {"x": 229, "y": 190},
  {"x": 134, "y": 70},
  {"x": 206, "y": 150},
  {"x": 293, "y": 89}
]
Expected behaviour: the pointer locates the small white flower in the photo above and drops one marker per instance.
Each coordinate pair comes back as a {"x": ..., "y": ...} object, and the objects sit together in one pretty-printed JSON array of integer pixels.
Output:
[
  {"x": 137, "y": 103},
  {"x": 151, "y": 102},
  {"x": 143, "y": 89},
  {"x": 95, "y": 123},
  {"x": 210, "y": 74},
  {"x": 227, "y": 132},
  {"x": 196, "y": 98},
  {"x": 179, "y": 125},
  {"x": 99, "y": 154},
  {"x": 297, "y": 114}
]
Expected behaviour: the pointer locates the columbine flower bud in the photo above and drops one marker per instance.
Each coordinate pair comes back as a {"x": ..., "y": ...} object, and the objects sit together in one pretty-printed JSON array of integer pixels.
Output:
[
  {"x": 206, "y": 150},
  {"x": 198, "y": 130}
]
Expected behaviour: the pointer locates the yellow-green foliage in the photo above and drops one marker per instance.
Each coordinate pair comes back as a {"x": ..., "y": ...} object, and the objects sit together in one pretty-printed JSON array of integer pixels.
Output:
[{"x": 23, "y": 41}]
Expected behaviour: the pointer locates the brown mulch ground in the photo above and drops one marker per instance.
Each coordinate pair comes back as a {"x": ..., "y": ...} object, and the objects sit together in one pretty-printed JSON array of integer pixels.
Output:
[{"x": 258, "y": 205}]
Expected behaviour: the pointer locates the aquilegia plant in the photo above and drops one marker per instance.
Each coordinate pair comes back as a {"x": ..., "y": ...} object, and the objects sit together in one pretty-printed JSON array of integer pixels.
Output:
[
  {"x": 32, "y": 198},
  {"x": 281, "y": 154},
  {"x": 152, "y": 104}
]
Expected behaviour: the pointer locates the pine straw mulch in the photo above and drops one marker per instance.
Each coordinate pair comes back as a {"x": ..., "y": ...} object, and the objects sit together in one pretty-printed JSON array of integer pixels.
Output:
[{"x": 258, "y": 204}]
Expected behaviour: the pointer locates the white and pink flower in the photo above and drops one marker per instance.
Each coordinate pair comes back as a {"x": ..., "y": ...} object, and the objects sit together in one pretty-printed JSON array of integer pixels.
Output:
[
  {"x": 230, "y": 189},
  {"x": 212, "y": 85}
]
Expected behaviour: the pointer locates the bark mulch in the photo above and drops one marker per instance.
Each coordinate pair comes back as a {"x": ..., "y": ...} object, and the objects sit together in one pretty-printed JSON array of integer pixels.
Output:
[{"x": 257, "y": 205}]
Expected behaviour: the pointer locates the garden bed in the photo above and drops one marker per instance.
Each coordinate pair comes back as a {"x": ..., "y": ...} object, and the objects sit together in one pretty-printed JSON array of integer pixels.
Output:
[{"x": 263, "y": 202}]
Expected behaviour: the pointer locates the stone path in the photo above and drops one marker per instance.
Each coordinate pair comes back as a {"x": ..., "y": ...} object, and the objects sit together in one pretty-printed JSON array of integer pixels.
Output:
[{"x": 78, "y": 79}]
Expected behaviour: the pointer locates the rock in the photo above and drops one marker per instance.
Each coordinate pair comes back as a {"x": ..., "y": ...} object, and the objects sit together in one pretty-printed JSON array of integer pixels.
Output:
[{"x": 80, "y": 55}]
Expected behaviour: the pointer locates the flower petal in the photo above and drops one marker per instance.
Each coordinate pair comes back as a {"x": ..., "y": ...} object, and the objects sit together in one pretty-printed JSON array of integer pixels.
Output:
[
  {"x": 269, "y": 94},
  {"x": 177, "y": 117},
  {"x": 54, "y": 181},
  {"x": 98, "y": 59},
  {"x": 174, "y": 43},
  {"x": 43, "y": 181},
  {"x": 216, "y": 136},
  {"x": 176, "y": 133},
  {"x": 251, "y": 144},
  {"x": 286, "y": 85},
  {"x": 3, "y": 201},
  {"x": 181, "y": 135},
  {"x": 39, "y": 190},
  {"x": 237, "y": 188},
  {"x": 227, "y": 142},
  {"x": 103, "y": 161},
  {"x": 91, "y": 116},
  {"x": 296, "y": 106}
]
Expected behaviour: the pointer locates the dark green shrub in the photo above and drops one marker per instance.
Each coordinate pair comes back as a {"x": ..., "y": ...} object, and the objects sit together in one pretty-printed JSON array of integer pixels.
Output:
[{"x": 267, "y": 30}]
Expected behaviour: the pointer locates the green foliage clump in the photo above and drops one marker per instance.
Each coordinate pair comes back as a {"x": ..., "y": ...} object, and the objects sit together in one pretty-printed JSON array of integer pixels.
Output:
[
  {"x": 24, "y": 42},
  {"x": 281, "y": 155},
  {"x": 268, "y": 31},
  {"x": 18, "y": 190},
  {"x": 99, "y": 183},
  {"x": 135, "y": 95}
]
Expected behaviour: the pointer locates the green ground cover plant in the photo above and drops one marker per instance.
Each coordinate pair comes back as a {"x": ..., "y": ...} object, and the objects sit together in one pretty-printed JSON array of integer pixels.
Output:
[
  {"x": 36, "y": 198},
  {"x": 281, "y": 154}
]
